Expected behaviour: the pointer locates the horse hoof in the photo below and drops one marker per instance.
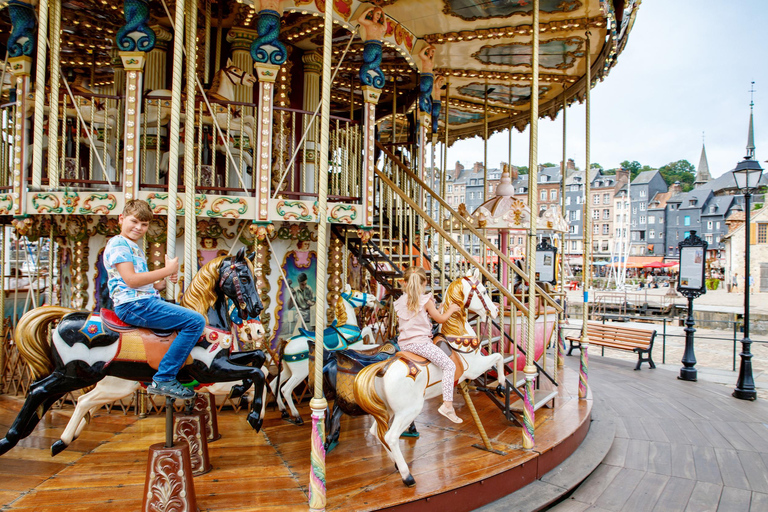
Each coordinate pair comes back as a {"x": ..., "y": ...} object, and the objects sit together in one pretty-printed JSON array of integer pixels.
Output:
[
  {"x": 331, "y": 446},
  {"x": 284, "y": 415},
  {"x": 58, "y": 447},
  {"x": 409, "y": 481},
  {"x": 408, "y": 433},
  {"x": 298, "y": 421},
  {"x": 255, "y": 421}
]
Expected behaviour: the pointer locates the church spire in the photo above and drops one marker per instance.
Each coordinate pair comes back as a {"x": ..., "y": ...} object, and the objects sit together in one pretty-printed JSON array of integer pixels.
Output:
[
  {"x": 702, "y": 171},
  {"x": 751, "y": 134}
]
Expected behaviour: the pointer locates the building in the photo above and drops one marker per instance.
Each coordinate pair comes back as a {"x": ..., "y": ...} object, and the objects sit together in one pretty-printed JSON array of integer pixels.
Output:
[
  {"x": 734, "y": 245},
  {"x": 645, "y": 186},
  {"x": 574, "y": 204},
  {"x": 603, "y": 188}
]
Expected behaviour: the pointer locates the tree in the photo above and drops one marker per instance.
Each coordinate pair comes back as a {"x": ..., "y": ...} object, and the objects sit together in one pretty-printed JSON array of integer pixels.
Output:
[
  {"x": 523, "y": 169},
  {"x": 595, "y": 165},
  {"x": 682, "y": 171},
  {"x": 549, "y": 164},
  {"x": 634, "y": 167}
]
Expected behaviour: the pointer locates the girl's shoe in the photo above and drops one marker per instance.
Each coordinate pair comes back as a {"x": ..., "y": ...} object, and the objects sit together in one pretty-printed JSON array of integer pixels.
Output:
[
  {"x": 171, "y": 388},
  {"x": 449, "y": 413}
]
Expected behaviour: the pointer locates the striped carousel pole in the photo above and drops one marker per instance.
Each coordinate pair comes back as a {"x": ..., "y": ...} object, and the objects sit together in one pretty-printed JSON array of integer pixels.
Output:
[
  {"x": 530, "y": 368},
  {"x": 53, "y": 116},
  {"x": 37, "y": 125},
  {"x": 173, "y": 134},
  {"x": 560, "y": 350},
  {"x": 190, "y": 231},
  {"x": 585, "y": 268},
  {"x": 318, "y": 404}
]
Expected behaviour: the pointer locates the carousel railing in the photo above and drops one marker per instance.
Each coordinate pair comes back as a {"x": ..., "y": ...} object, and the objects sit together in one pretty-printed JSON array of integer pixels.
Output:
[
  {"x": 85, "y": 162},
  {"x": 296, "y": 139},
  {"x": 7, "y": 137}
]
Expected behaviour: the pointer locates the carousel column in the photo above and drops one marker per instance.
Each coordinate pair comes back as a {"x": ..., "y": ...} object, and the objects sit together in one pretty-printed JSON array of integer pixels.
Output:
[
  {"x": 134, "y": 40},
  {"x": 426, "y": 84},
  {"x": 21, "y": 45},
  {"x": 241, "y": 40},
  {"x": 586, "y": 267},
  {"x": 372, "y": 23},
  {"x": 37, "y": 125},
  {"x": 157, "y": 58},
  {"x": 530, "y": 370},
  {"x": 53, "y": 102},
  {"x": 268, "y": 54},
  {"x": 312, "y": 68}
]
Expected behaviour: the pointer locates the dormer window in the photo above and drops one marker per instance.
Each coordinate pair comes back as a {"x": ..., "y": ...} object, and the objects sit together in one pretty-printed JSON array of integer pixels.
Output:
[
  {"x": 692, "y": 202},
  {"x": 712, "y": 209}
]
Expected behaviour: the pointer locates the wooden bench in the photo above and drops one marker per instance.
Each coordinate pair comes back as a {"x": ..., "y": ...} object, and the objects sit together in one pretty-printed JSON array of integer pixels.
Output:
[{"x": 621, "y": 338}]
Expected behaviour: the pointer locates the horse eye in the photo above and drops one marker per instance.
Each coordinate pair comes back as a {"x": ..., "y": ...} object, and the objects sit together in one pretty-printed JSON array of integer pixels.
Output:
[{"x": 244, "y": 279}]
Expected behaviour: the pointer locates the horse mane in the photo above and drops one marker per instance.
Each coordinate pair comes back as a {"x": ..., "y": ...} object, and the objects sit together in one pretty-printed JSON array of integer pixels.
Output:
[
  {"x": 454, "y": 326},
  {"x": 200, "y": 296},
  {"x": 216, "y": 82},
  {"x": 341, "y": 311}
]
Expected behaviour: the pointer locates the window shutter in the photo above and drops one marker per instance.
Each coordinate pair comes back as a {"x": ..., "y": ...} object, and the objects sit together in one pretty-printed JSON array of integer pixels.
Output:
[{"x": 752, "y": 233}]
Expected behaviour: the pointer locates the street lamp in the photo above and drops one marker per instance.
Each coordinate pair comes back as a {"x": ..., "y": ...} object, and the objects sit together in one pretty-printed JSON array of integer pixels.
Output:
[{"x": 747, "y": 175}]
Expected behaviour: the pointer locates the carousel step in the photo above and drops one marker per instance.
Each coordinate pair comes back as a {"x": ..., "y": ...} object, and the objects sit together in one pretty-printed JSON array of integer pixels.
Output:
[
  {"x": 540, "y": 399},
  {"x": 508, "y": 358}
]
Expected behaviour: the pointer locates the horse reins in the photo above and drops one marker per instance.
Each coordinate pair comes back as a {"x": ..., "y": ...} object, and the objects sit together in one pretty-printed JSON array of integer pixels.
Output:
[
  {"x": 473, "y": 290},
  {"x": 236, "y": 281},
  {"x": 230, "y": 73}
]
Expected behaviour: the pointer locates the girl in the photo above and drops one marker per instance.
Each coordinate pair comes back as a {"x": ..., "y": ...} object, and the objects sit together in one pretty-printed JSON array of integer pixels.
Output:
[{"x": 414, "y": 309}]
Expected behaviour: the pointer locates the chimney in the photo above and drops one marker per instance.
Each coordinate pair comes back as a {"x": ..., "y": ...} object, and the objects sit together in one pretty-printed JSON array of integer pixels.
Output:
[
  {"x": 457, "y": 170},
  {"x": 478, "y": 167},
  {"x": 676, "y": 188}
]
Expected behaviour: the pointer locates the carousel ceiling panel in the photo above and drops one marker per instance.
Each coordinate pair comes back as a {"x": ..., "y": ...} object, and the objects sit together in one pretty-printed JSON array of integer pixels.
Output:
[
  {"x": 472, "y": 10},
  {"x": 559, "y": 53},
  {"x": 502, "y": 93}
]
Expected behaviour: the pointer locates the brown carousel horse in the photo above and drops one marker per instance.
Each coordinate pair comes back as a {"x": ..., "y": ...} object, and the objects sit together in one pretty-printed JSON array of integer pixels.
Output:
[{"x": 85, "y": 347}]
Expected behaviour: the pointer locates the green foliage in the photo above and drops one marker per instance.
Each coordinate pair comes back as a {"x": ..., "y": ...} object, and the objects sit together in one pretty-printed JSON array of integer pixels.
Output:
[
  {"x": 757, "y": 206},
  {"x": 712, "y": 284},
  {"x": 682, "y": 171},
  {"x": 549, "y": 164},
  {"x": 523, "y": 169},
  {"x": 634, "y": 167},
  {"x": 595, "y": 165}
]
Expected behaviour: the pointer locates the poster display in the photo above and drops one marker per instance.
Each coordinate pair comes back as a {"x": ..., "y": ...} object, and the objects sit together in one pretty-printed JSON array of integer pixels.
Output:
[{"x": 691, "y": 267}]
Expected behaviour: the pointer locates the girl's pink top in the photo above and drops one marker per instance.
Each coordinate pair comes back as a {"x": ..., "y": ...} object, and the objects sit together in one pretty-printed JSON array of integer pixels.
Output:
[{"x": 414, "y": 327}]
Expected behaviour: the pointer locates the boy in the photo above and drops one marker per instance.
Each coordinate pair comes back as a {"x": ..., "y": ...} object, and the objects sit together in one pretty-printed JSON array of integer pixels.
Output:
[{"x": 134, "y": 292}]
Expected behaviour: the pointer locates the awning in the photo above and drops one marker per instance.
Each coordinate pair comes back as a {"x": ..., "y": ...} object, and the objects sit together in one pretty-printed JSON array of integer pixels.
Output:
[{"x": 639, "y": 261}]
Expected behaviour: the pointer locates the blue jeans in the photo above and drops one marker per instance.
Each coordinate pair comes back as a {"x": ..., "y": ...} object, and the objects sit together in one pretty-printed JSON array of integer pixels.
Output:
[{"x": 155, "y": 313}]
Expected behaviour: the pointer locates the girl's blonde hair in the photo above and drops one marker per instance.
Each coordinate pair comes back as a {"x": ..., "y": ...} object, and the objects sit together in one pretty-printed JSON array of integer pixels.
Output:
[{"x": 415, "y": 286}]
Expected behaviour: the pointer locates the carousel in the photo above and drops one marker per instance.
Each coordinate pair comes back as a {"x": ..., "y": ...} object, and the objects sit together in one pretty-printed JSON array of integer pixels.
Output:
[{"x": 294, "y": 155}]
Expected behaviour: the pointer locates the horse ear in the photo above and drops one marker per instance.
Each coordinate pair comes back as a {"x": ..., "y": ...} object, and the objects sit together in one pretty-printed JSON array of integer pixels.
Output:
[
  {"x": 240, "y": 254},
  {"x": 252, "y": 257},
  {"x": 229, "y": 62},
  {"x": 348, "y": 289}
]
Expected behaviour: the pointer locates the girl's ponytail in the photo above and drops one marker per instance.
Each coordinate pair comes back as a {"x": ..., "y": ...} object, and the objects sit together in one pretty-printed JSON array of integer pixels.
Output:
[{"x": 415, "y": 281}]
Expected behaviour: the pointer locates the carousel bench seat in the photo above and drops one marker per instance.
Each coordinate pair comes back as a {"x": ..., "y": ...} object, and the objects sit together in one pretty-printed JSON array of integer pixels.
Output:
[{"x": 630, "y": 339}]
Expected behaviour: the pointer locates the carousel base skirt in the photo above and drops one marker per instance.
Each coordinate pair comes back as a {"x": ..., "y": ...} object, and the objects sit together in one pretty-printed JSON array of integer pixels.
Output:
[{"x": 105, "y": 468}]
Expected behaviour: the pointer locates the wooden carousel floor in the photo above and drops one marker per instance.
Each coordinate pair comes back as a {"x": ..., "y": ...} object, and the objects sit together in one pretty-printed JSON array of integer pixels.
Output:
[{"x": 104, "y": 470}]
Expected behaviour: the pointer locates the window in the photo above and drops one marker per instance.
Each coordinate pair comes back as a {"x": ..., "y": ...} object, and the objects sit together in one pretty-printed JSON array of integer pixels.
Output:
[
  {"x": 642, "y": 192},
  {"x": 471, "y": 195},
  {"x": 710, "y": 224},
  {"x": 606, "y": 229},
  {"x": 567, "y": 201},
  {"x": 634, "y": 210},
  {"x": 762, "y": 233},
  {"x": 595, "y": 246},
  {"x": 473, "y": 182},
  {"x": 596, "y": 199},
  {"x": 687, "y": 220},
  {"x": 618, "y": 232},
  {"x": 642, "y": 207},
  {"x": 651, "y": 234},
  {"x": 717, "y": 225},
  {"x": 573, "y": 230},
  {"x": 542, "y": 208},
  {"x": 686, "y": 234},
  {"x": 661, "y": 220},
  {"x": 553, "y": 195},
  {"x": 596, "y": 229},
  {"x": 595, "y": 214},
  {"x": 677, "y": 221},
  {"x": 708, "y": 238},
  {"x": 605, "y": 246},
  {"x": 574, "y": 245},
  {"x": 634, "y": 236},
  {"x": 606, "y": 199},
  {"x": 574, "y": 188},
  {"x": 606, "y": 214},
  {"x": 543, "y": 195},
  {"x": 519, "y": 240},
  {"x": 450, "y": 188},
  {"x": 450, "y": 199},
  {"x": 651, "y": 220},
  {"x": 618, "y": 205},
  {"x": 642, "y": 219},
  {"x": 521, "y": 190}
]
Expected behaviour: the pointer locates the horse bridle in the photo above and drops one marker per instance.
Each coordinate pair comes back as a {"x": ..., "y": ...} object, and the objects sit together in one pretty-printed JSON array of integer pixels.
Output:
[
  {"x": 354, "y": 300},
  {"x": 473, "y": 289},
  {"x": 230, "y": 73},
  {"x": 232, "y": 269}
]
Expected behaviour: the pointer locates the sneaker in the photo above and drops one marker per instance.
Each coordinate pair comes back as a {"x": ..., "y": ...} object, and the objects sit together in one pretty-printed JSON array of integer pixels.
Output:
[{"x": 171, "y": 388}]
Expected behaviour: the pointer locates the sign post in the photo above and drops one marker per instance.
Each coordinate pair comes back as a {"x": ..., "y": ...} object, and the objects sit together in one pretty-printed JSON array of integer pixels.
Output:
[{"x": 691, "y": 284}]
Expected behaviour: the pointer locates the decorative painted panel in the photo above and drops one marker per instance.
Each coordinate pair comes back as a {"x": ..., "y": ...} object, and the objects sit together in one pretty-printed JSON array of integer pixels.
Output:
[
  {"x": 561, "y": 53},
  {"x": 472, "y": 10}
]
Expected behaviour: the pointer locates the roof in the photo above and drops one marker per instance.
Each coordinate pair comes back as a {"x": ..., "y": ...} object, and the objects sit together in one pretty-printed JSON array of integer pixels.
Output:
[
  {"x": 700, "y": 197},
  {"x": 661, "y": 198},
  {"x": 721, "y": 203},
  {"x": 702, "y": 171},
  {"x": 644, "y": 177}
]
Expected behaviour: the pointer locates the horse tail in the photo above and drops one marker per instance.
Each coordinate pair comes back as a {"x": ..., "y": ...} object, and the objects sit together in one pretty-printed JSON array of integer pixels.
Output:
[
  {"x": 370, "y": 401},
  {"x": 32, "y": 336}
]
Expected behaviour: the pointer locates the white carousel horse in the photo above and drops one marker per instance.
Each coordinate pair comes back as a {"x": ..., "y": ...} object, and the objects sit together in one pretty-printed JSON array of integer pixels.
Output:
[
  {"x": 295, "y": 354},
  {"x": 393, "y": 391},
  {"x": 111, "y": 389},
  {"x": 222, "y": 88}
]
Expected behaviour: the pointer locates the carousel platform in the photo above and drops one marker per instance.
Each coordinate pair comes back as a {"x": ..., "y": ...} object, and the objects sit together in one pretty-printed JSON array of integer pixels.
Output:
[{"x": 105, "y": 468}]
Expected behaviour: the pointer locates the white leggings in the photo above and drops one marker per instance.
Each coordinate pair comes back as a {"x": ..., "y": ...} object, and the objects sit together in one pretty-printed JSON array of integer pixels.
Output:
[{"x": 438, "y": 357}]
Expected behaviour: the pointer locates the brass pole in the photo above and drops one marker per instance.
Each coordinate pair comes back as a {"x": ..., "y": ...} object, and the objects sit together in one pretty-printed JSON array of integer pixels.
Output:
[{"x": 586, "y": 266}]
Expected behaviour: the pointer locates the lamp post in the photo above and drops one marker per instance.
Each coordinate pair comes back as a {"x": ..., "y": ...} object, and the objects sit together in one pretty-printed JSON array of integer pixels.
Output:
[
  {"x": 691, "y": 284},
  {"x": 747, "y": 175}
]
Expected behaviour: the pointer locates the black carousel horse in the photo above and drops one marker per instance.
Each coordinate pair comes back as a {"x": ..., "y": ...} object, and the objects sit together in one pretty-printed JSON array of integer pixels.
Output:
[{"x": 86, "y": 347}]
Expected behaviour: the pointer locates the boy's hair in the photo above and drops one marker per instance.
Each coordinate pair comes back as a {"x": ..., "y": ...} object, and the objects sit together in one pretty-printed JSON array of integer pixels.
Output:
[{"x": 139, "y": 209}]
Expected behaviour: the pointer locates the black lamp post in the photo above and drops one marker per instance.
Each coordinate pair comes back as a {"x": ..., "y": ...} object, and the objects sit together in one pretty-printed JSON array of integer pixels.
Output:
[
  {"x": 747, "y": 175},
  {"x": 691, "y": 284}
]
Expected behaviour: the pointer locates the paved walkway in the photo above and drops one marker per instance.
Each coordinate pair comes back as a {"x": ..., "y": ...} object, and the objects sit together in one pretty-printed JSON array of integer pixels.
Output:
[{"x": 679, "y": 446}]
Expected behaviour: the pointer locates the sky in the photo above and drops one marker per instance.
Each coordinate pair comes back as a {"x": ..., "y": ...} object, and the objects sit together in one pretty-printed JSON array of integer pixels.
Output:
[{"x": 687, "y": 69}]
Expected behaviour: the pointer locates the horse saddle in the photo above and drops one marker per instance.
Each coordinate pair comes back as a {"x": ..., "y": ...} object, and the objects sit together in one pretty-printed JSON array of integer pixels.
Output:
[
  {"x": 138, "y": 344},
  {"x": 409, "y": 358}
]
